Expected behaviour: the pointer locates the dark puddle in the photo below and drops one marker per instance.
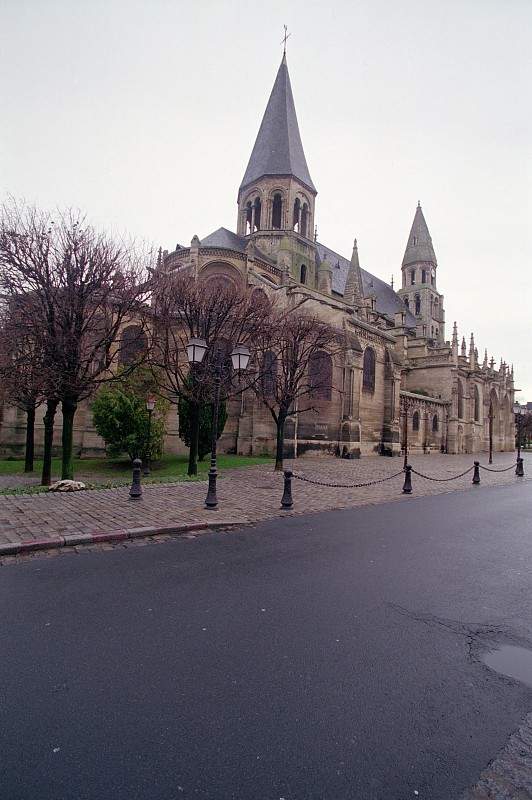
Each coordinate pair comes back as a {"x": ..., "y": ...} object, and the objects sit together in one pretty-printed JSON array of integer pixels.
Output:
[{"x": 515, "y": 662}]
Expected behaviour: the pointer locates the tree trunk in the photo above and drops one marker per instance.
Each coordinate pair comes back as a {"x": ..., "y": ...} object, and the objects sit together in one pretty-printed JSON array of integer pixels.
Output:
[
  {"x": 194, "y": 439},
  {"x": 51, "y": 407},
  {"x": 279, "y": 452},
  {"x": 30, "y": 439},
  {"x": 68, "y": 407}
]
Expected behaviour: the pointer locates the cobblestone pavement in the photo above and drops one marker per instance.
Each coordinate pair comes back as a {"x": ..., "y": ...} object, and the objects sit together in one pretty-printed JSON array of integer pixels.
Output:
[
  {"x": 509, "y": 776},
  {"x": 245, "y": 496}
]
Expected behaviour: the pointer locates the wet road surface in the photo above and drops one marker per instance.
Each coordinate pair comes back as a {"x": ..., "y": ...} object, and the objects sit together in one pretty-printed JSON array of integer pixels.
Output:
[{"x": 325, "y": 657}]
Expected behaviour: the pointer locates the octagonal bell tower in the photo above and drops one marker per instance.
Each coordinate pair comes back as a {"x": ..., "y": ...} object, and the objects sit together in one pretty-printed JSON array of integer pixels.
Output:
[{"x": 276, "y": 197}]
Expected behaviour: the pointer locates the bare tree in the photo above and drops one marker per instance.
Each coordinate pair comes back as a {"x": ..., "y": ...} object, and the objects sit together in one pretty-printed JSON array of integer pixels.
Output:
[
  {"x": 22, "y": 371},
  {"x": 294, "y": 367},
  {"x": 77, "y": 288},
  {"x": 188, "y": 308}
]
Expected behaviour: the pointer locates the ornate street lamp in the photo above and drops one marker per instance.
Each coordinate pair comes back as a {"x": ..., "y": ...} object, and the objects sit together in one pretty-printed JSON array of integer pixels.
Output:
[
  {"x": 519, "y": 415},
  {"x": 240, "y": 356},
  {"x": 490, "y": 429},
  {"x": 406, "y": 406},
  {"x": 196, "y": 349},
  {"x": 150, "y": 405}
]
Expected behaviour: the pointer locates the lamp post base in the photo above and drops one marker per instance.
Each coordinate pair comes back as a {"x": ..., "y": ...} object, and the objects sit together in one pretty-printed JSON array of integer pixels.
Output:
[{"x": 211, "y": 501}]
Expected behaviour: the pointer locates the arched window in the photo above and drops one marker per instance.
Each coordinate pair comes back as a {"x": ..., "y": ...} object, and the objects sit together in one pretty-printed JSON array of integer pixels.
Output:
[
  {"x": 304, "y": 220},
  {"x": 249, "y": 217},
  {"x": 133, "y": 345},
  {"x": 435, "y": 423},
  {"x": 477, "y": 404},
  {"x": 320, "y": 375},
  {"x": 303, "y": 273},
  {"x": 423, "y": 276},
  {"x": 257, "y": 209},
  {"x": 415, "y": 421},
  {"x": 269, "y": 373},
  {"x": 368, "y": 375},
  {"x": 460, "y": 400},
  {"x": 413, "y": 277},
  {"x": 407, "y": 302},
  {"x": 277, "y": 211},
  {"x": 417, "y": 299},
  {"x": 297, "y": 212}
]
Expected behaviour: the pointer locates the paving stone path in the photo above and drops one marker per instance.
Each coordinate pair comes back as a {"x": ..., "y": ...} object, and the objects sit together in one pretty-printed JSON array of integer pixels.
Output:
[{"x": 245, "y": 496}]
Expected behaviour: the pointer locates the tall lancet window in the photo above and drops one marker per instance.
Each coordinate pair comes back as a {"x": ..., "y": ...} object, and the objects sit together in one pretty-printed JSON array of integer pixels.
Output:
[
  {"x": 256, "y": 209},
  {"x": 297, "y": 213},
  {"x": 249, "y": 217},
  {"x": 304, "y": 220},
  {"x": 277, "y": 212}
]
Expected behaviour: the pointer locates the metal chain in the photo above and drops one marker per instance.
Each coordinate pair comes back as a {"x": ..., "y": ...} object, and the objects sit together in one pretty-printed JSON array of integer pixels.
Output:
[
  {"x": 442, "y": 480},
  {"x": 490, "y": 469},
  {"x": 346, "y": 485}
]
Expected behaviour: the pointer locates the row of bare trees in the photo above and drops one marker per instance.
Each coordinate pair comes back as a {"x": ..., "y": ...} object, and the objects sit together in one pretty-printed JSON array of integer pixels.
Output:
[{"x": 68, "y": 292}]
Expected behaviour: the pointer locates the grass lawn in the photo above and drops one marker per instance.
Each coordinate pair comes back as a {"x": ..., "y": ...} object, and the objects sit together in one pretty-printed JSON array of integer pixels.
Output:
[{"x": 106, "y": 472}]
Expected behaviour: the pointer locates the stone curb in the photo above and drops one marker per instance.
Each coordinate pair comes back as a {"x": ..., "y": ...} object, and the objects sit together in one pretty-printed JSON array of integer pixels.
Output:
[{"x": 73, "y": 539}]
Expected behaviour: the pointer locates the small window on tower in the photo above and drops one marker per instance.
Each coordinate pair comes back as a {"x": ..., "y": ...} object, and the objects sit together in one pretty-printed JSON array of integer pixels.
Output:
[
  {"x": 412, "y": 277},
  {"x": 423, "y": 276},
  {"x": 418, "y": 304},
  {"x": 257, "y": 209},
  {"x": 303, "y": 273},
  {"x": 297, "y": 214},
  {"x": 414, "y": 240},
  {"x": 277, "y": 211},
  {"x": 407, "y": 303},
  {"x": 304, "y": 220}
]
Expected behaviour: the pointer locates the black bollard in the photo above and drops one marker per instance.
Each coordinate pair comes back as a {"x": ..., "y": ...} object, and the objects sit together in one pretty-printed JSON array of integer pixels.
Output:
[
  {"x": 519, "y": 470},
  {"x": 476, "y": 473},
  {"x": 136, "y": 488},
  {"x": 407, "y": 485},
  {"x": 286, "y": 501}
]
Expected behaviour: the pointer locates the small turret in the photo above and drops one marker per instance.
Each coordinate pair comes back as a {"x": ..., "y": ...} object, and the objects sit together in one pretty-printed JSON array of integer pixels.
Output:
[
  {"x": 485, "y": 362},
  {"x": 194, "y": 254},
  {"x": 354, "y": 293},
  {"x": 454, "y": 345},
  {"x": 464, "y": 348},
  {"x": 472, "y": 362},
  {"x": 325, "y": 277}
]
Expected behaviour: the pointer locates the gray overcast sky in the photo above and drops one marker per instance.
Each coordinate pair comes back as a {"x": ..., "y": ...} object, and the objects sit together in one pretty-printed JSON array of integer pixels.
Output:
[{"x": 144, "y": 116}]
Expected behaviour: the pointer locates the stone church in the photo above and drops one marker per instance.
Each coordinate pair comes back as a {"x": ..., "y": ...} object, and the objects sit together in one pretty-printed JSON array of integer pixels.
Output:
[{"x": 399, "y": 376}]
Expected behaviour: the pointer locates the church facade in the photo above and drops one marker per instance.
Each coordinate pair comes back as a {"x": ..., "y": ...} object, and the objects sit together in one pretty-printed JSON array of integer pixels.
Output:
[{"x": 398, "y": 377}]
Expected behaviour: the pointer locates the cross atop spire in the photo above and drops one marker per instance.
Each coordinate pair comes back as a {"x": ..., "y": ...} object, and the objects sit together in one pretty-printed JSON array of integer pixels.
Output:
[{"x": 285, "y": 37}]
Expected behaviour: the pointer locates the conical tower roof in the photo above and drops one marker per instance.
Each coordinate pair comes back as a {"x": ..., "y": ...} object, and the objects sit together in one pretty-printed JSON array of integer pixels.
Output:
[
  {"x": 419, "y": 247},
  {"x": 278, "y": 149}
]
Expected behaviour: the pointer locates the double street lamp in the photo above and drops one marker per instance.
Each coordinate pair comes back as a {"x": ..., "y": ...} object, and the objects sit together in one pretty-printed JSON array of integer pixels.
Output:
[{"x": 240, "y": 355}]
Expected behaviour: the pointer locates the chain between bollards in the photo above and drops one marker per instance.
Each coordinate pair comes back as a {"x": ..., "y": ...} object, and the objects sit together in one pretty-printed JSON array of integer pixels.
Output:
[
  {"x": 407, "y": 485},
  {"x": 476, "y": 473},
  {"x": 286, "y": 500},
  {"x": 519, "y": 470},
  {"x": 136, "y": 489}
]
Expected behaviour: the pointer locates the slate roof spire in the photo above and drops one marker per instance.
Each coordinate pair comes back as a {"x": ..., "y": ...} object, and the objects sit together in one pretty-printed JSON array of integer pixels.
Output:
[
  {"x": 419, "y": 247},
  {"x": 354, "y": 292},
  {"x": 278, "y": 149}
]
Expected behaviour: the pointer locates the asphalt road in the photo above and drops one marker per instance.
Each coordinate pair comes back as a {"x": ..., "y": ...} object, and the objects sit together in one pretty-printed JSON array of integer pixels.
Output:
[{"x": 326, "y": 657}]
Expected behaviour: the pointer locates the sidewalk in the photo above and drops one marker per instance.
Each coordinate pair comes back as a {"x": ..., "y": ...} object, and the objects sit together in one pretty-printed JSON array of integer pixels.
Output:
[{"x": 31, "y": 522}]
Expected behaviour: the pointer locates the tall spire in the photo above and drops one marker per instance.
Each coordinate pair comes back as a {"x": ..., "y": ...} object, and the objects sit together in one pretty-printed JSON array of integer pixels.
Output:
[
  {"x": 419, "y": 248},
  {"x": 278, "y": 149},
  {"x": 353, "y": 292}
]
